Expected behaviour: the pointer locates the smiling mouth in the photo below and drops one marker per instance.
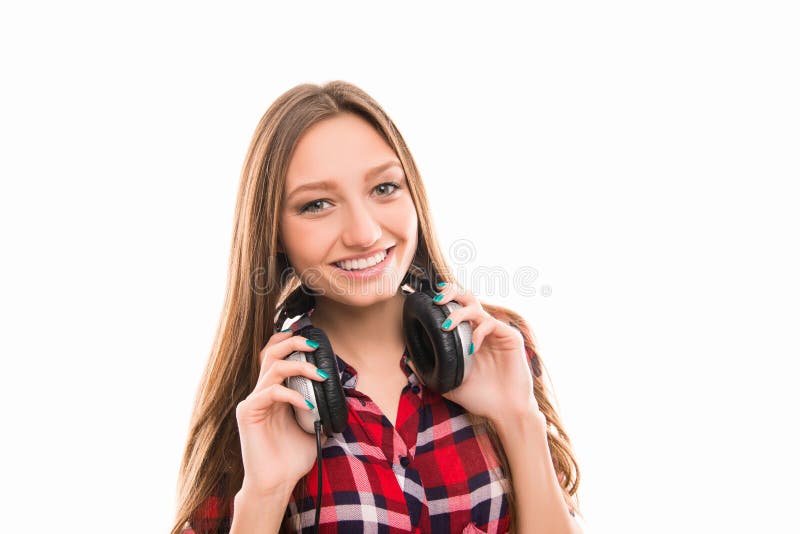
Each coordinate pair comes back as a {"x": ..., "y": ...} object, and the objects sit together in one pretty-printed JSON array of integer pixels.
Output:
[{"x": 363, "y": 264}]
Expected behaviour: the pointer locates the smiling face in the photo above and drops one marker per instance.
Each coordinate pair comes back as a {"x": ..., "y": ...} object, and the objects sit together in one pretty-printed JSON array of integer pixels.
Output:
[{"x": 346, "y": 196}]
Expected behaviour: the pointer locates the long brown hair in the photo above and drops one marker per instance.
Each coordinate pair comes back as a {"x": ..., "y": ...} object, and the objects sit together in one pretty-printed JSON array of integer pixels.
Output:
[{"x": 257, "y": 286}]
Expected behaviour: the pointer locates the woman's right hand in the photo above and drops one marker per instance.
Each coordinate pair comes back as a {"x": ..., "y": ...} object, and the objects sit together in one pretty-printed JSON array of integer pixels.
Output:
[{"x": 276, "y": 452}]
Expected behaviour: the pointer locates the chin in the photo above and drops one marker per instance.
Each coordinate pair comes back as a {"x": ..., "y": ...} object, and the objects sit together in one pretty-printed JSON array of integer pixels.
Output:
[
  {"x": 365, "y": 292},
  {"x": 371, "y": 300}
]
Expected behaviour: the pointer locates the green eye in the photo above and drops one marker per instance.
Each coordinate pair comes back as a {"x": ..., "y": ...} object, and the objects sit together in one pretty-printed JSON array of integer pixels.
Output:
[
  {"x": 390, "y": 184},
  {"x": 315, "y": 206},
  {"x": 310, "y": 207}
]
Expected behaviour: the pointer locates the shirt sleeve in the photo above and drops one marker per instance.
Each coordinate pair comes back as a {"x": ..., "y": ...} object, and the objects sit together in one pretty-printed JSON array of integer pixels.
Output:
[{"x": 211, "y": 517}]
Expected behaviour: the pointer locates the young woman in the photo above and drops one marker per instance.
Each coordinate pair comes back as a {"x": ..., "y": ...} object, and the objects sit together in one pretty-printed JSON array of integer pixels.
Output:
[{"x": 327, "y": 179}]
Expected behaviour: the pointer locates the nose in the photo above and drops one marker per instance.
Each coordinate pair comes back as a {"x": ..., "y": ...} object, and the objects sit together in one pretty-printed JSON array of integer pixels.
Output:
[{"x": 361, "y": 230}]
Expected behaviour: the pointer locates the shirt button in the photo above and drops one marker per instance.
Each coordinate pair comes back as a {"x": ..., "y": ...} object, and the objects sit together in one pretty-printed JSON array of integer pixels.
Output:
[
  {"x": 415, "y": 389},
  {"x": 404, "y": 461}
]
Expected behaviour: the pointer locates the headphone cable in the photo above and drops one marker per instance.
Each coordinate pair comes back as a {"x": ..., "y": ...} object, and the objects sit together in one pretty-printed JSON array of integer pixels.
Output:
[{"x": 319, "y": 475}]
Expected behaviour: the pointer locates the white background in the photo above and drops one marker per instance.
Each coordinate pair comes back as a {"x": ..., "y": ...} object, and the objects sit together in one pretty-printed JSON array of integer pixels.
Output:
[{"x": 642, "y": 157}]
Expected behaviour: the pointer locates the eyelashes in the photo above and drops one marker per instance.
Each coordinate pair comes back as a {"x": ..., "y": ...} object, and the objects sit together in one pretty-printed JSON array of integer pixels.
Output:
[
  {"x": 313, "y": 206},
  {"x": 393, "y": 184},
  {"x": 309, "y": 208}
]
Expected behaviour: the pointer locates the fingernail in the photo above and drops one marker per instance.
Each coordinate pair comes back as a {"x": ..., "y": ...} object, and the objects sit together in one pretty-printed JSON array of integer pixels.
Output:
[
  {"x": 282, "y": 331},
  {"x": 323, "y": 374},
  {"x": 441, "y": 284},
  {"x": 471, "y": 347},
  {"x": 310, "y": 406},
  {"x": 438, "y": 297},
  {"x": 311, "y": 343},
  {"x": 447, "y": 323}
]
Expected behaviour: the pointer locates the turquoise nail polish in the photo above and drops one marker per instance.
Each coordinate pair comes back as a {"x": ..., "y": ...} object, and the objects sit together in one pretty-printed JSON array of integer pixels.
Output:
[
  {"x": 438, "y": 297},
  {"x": 471, "y": 347},
  {"x": 447, "y": 323},
  {"x": 323, "y": 374},
  {"x": 311, "y": 343},
  {"x": 310, "y": 406},
  {"x": 286, "y": 330},
  {"x": 441, "y": 284}
]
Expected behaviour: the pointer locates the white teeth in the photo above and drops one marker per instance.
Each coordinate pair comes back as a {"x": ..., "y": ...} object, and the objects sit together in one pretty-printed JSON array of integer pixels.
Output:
[{"x": 356, "y": 265}]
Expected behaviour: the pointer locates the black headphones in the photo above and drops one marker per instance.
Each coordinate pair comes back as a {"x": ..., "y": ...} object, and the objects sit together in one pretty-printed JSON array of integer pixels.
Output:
[{"x": 441, "y": 358}]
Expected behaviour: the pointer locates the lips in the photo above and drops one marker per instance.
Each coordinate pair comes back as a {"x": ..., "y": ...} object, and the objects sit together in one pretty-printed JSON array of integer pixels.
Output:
[
  {"x": 363, "y": 256},
  {"x": 368, "y": 272},
  {"x": 353, "y": 262}
]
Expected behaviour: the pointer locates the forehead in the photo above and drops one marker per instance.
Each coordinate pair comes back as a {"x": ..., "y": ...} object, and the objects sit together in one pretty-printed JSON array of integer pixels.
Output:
[{"x": 345, "y": 146}]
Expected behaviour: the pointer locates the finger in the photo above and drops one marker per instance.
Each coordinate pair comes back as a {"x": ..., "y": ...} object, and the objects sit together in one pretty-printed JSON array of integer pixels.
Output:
[
  {"x": 446, "y": 293},
  {"x": 263, "y": 400},
  {"x": 474, "y": 314},
  {"x": 456, "y": 293},
  {"x": 280, "y": 336},
  {"x": 282, "y": 369},
  {"x": 479, "y": 334},
  {"x": 282, "y": 349},
  {"x": 274, "y": 339}
]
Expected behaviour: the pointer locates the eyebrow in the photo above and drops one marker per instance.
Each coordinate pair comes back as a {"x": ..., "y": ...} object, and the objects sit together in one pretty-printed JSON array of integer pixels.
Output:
[{"x": 329, "y": 184}]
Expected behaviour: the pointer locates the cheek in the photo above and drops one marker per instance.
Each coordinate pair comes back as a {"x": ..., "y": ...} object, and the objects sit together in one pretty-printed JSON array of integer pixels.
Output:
[
  {"x": 402, "y": 219},
  {"x": 304, "y": 240}
]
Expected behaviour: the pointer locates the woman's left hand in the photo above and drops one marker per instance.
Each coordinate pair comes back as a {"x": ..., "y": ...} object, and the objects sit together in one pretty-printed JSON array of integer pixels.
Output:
[{"x": 499, "y": 384}]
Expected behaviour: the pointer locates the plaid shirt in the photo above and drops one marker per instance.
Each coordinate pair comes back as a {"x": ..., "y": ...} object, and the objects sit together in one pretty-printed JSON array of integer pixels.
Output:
[{"x": 425, "y": 474}]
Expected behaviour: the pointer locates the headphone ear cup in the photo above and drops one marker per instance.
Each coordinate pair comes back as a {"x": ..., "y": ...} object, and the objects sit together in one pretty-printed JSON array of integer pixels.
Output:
[
  {"x": 327, "y": 396},
  {"x": 305, "y": 387},
  {"x": 331, "y": 401},
  {"x": 438, "y": 356}
]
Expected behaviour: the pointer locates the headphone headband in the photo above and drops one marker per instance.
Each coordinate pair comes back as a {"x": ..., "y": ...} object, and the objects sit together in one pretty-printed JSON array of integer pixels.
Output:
[
  {"x": 418, "y": 278},
  {"x": 297, "y": 302}
]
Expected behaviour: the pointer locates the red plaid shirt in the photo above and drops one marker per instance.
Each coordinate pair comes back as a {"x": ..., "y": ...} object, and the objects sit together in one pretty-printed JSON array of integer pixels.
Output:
[{"x": 425, "y": 474}]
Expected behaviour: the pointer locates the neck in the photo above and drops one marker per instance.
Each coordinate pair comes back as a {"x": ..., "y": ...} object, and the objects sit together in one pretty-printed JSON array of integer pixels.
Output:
[{"x": 369, "y": 338}]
